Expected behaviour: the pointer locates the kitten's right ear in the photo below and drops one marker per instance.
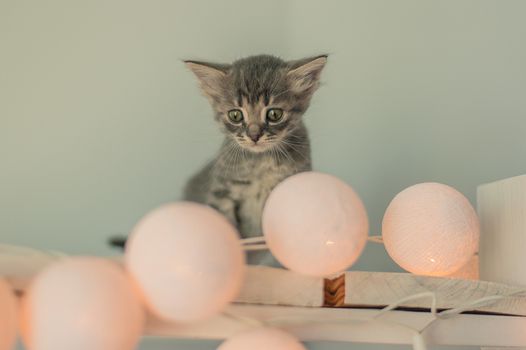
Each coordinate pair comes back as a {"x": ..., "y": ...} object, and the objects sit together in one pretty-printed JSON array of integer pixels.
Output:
[
  {"x": 305, "y": 74},
  {"x": 211, "y": 76}
]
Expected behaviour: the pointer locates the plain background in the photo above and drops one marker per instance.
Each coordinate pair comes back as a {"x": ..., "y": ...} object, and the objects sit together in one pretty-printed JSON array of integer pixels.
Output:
[{"x": 100, "y": 122}]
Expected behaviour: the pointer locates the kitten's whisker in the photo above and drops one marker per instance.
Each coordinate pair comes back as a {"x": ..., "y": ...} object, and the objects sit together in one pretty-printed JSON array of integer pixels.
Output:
[
  {"x": 289, "y": 157},
  {"x": 293, "y": 143},
  {"x": 296, "y": 137},
  {"x": 300, "y": 152},
  {"x": 274, "y": 155},
  {"x": 284, "y": 153}
]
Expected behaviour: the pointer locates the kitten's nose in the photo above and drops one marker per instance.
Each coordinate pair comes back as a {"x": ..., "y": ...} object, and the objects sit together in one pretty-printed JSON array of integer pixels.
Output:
[
  {"x": 254, "y": 132},
  {"x": 255, "y": 137}
]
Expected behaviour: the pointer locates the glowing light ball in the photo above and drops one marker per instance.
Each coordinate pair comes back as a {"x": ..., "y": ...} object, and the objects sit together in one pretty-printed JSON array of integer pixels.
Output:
[
  {"x": 8, "y": 316},
  {"x": 262, "y": 339},
  {"x": 470, "y": 271},
  {"x": 82, "y": 304},
  {"x": 188, "y": 261},
  {"x": 315, "y": 224},
  {"x": 430, "y": 229}
]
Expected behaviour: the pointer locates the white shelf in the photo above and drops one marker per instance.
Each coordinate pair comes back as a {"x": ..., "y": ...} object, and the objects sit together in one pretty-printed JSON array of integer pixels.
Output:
[{"x": 462, "y": 330}]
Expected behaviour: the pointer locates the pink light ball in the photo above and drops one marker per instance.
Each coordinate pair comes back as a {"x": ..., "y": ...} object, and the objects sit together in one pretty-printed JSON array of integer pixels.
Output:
[
  {"x": 8, "y": 316},
  {"x": 82, "y": 304},
  {"x": 263, "y": 339},
  {"x": 188, "y": 261},
  {"x": 315, "y": 224},
  {"x": 470, "y": 271},
  {"x": 430, "y": 229}
]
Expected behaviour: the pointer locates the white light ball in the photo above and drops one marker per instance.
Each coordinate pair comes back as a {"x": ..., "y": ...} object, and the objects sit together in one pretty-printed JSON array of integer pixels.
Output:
[
  {"x": 8, "y": 316},
  {"x": 430, "y": 229},
  {"x": 315, "y": 224},
  {"x": 82, "y": 304},
  {"x": 188, "y": 261},
  {"x": 263, "y": 339}
]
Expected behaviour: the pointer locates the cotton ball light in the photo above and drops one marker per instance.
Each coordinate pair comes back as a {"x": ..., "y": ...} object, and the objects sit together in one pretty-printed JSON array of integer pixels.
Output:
[
  {"x": 187, "y": 260},
  {"x": 262, "y": 339},
  {"x": 470, "y": 271},
  {"x": 82, "y": 304},
  {"x": 430, "y": 229},
  {"x": 315, "y": 224},
  {"x": 8, "y": 316}
]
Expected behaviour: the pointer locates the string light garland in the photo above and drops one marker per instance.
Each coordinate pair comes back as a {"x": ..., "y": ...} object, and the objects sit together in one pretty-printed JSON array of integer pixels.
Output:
[
  {"x": 418, "y": 334},
  {"x": 184, "y": 262}
]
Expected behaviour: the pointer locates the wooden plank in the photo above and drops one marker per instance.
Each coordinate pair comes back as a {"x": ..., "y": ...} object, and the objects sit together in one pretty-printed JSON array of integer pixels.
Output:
[
  {"x": 264, "y": 285},
  {"x": 272, "y": 286},
  {"x": 325, "y": 324},
  {"x": 380, "y": 289}
]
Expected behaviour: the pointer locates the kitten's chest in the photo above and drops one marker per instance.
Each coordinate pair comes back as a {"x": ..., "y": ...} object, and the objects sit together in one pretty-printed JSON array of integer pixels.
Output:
[
  {"x": 252, "y": 197},
  {"x": 246, "y": 187},
  {"x": 257, "y": 181}
]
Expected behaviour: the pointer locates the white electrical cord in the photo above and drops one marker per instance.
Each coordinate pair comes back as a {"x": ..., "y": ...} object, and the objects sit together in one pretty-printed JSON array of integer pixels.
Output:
[{"x": 258, "y": 243}]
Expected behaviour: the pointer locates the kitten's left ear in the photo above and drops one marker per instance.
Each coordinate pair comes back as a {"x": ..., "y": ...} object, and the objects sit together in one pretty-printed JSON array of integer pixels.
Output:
[
  {"x": 211, "y": 76},
  {"x": 304, "y": 75}
]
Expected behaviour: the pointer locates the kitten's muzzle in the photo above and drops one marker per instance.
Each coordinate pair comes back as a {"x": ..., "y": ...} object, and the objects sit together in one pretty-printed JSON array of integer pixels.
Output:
[{"x": 254, "y": 132}]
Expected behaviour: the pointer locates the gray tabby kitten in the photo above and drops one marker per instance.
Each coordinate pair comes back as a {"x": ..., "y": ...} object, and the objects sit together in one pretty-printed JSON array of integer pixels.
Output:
[{"x": 258, "y": 102}]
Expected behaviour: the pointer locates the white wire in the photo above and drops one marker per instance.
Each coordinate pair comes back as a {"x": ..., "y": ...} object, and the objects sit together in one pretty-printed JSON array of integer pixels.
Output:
[
  {"x": 261, "y": 239},
  {"x": 252, "y": 240},
  {"x": 478, "y": 303},
  {"x": 376, "y": 239},
  {"x": 399, "y": 303}
]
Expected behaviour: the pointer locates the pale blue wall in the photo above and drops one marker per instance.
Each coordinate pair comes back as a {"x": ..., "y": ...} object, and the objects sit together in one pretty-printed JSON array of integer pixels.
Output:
[{"x": 100, "y": 122}]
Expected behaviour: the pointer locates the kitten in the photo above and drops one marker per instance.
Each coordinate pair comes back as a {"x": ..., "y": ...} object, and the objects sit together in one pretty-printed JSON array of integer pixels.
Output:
[{"x": 258, "y": 103}]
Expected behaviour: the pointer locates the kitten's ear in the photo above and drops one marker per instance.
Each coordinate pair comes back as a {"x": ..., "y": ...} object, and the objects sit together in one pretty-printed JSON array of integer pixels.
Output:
[
  {"x": 211, "y": 76},
  {"x": 304, "y": 75}
]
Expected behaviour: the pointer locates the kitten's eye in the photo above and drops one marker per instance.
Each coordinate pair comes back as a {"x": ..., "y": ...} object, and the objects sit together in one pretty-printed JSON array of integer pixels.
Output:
[
  {"x": 235, "y": 116},
  {"x": 274, "y": 115}
]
